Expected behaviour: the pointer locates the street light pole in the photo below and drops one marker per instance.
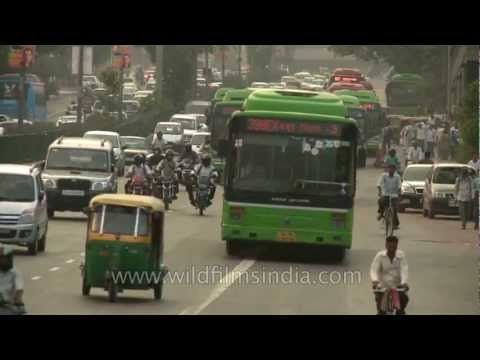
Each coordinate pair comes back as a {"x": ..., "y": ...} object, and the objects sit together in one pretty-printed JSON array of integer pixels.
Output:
[{"x": 80, "y": 85}]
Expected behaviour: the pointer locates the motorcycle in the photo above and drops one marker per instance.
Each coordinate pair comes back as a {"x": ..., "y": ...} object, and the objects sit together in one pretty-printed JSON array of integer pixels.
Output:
[
  {"x": 168, "y": 192},
  {"x": 184, "y": 171},
  {"x": 202, "y": 188},
  {"x": 138, "y": 186}
]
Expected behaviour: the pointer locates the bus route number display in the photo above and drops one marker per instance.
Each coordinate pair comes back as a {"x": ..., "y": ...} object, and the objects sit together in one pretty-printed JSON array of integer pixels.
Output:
[{"x": 284, "y": 127}]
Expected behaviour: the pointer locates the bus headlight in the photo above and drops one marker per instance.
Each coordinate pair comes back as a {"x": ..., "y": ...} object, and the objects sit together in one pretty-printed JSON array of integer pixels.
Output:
[{"x": 338, "y": 221}]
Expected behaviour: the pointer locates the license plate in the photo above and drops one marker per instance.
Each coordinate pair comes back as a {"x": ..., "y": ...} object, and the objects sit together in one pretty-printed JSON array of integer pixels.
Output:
[
  {"x": 452, "y": 203},
  {"x": 73, "y": 192},
  {"x": 287, "y": 236}
]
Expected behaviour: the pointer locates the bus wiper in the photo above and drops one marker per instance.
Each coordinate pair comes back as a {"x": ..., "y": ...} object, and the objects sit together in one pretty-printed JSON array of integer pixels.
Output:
[{"x": 300, "y": 183}]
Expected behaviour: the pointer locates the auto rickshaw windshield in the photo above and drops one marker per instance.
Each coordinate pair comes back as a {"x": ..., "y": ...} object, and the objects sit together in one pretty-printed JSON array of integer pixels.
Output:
[{"x": 120, "y": 220}]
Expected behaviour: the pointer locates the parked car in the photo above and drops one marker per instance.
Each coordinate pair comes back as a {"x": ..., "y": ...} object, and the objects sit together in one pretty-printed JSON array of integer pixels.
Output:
[
  {"x": 413, "y": 185},
  {"x": 76, "y": 170},
  {"x": 439, "y": 193},
  {"x": 23, "y": 218},
  {"x": 114, "y": 139}
]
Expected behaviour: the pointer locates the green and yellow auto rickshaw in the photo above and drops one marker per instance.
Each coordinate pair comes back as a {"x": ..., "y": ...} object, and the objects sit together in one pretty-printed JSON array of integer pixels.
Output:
[{"x": 124, "y": 247}]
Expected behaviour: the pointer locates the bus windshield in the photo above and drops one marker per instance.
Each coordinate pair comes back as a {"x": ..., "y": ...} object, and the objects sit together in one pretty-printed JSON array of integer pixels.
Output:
[{"x": 285, "y": 164}]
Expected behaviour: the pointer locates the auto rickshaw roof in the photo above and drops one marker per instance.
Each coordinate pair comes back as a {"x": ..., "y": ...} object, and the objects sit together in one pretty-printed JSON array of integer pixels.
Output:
[{"x": 128, "y": 200}]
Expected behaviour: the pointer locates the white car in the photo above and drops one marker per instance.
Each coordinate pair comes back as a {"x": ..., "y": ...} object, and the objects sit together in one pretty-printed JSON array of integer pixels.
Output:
[
  {"x": 259, "y": 85},
  {"x": 90, "y": 81},
  {"x": 67, "y": 119},
  {"x": 198, "y": 139},
  {"x": 172, "y": 132},
  {"x": 190, "y": 125},
  {"x": 142, "y": 94}
]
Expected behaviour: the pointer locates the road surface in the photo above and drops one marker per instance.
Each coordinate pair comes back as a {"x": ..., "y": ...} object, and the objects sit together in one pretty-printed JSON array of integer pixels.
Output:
[{"x": 442, "y": 260}]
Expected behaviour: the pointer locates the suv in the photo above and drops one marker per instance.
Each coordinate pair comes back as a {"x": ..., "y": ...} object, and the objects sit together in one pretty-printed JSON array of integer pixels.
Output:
[
  {"x": 190, "y": 125},
  {"x": 439, "y": 193},
  {"x": 76, "y": 170},
  {"x": 23, "y": 216},
  {"x": 114, "y": 138}
]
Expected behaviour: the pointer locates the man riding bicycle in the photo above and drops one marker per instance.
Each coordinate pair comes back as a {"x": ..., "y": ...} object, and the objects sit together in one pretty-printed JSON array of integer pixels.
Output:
[
  {"x": 389, "y": 270},
  {"x": 389, "y": 187}
]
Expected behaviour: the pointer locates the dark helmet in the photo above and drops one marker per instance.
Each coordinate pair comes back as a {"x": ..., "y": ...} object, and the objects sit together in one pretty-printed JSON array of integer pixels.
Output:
[
  {"x": 392, "y": 152},
  {"x": 138, "y": 159},
  {"x": 206, "y": 160},
  {"x": 188, "y": 148}
]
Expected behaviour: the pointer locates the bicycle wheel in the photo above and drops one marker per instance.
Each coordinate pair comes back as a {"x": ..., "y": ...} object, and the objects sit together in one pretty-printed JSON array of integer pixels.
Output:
[{"x": 389, "y": 222}]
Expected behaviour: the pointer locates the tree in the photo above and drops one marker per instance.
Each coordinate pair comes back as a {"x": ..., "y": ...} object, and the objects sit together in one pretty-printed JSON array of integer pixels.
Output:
[
  {"x": 430, "y": 61},
  {"x": 259, "y": 60},
  {"x": 468, "y": 119}
]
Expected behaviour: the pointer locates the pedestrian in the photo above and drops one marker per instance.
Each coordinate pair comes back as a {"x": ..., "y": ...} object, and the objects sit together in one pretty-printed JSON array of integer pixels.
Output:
[
  {"x": 386, "y": 138},
  {"x": 475, "y": 163},
  {"x": 421, "y": 135},
  {"x": 415, "y": 154},
  {"x": 427, "y": 159},
  {"x": 443, "y": 145},
  {"x": 429, "y": 139},
  {"x": 453, "y": 141},
  {"x": 464, "y": 193}
]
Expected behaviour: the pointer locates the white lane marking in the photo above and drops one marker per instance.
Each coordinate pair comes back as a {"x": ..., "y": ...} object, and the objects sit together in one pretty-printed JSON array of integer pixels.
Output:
[
  {"x": 70, "y": 261},
  {"x": 36, "y": 278},
  {"x": 224, "y": 284},
  {"x": 54, "y": 268}
]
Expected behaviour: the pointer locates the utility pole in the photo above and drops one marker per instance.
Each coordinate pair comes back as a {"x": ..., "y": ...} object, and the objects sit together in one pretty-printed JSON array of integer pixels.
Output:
[
  {"x": 159, "y": 71},
  {"x": 240, "y": 64},
  {"x": 80, "y": 85}
]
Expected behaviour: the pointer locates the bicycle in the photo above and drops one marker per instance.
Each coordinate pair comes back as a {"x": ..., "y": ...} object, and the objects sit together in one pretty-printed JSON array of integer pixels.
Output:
[
  {"x": 389, "y": 218},
  {"x": 391, "y": 304}
]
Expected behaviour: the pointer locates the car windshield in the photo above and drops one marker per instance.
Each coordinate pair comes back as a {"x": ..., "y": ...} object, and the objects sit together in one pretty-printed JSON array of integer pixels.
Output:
[
  {"x": 199, "y": 139},
  {"x": 120, "y": 220},
  {"x": 284, "y": 164},
  {"x": 16, "y": 188},
  {"x": 77, "y": 159},
  {"x": 112, "y": 138},
  {"x": 416, "y": 173},
  {"x": 173, "y": 129},
  {"x": 446, "y": 175},
  {"x": 134, "y": 143},
  {"x": 188, "y": 124}
]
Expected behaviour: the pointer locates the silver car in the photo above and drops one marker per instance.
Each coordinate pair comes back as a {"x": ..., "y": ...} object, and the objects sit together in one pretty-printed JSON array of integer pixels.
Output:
[{"x": 23, "y": 207}]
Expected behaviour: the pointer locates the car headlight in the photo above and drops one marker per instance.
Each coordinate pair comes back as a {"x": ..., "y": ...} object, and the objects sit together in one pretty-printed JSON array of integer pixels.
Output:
[
  {"x": 439, "y": 195},
  {"x": 100, "y": 185},
  {"x": 49, "y": 184},
  {"x": 407, "y": 188},
  {"x": 26, "y": 217}
]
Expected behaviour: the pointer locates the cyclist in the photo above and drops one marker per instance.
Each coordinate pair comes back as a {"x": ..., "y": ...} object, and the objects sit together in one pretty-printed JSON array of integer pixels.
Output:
[
  {"x": 389, "y": 185},
  {"x": 392, "y": 159},
  {"x": 389, "y": 270}
]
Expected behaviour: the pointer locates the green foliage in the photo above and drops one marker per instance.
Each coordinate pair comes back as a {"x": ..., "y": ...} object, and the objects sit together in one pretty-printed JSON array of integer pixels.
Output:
[
  {"x": 468, "y": 121},
  {"x": 111, "y": 78},
  {"x": 259, "y": 61}
]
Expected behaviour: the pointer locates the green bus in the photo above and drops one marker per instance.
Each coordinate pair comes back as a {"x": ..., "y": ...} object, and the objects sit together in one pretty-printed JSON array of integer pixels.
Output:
[
  {"x": 375, "y": 118},
  {"x": 406, "y": 95},
  {"x": 290, "y": 172},
  {"x": 357, "y": 113},
  {"x": 232, "y": 101}
]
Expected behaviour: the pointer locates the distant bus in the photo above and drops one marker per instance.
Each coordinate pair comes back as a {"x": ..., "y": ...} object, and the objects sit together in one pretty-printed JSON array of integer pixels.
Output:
[
  {"x": 290, "y": 172},
  {"x": 35, "y": 97},
  {"x": 405, "y": 95}
]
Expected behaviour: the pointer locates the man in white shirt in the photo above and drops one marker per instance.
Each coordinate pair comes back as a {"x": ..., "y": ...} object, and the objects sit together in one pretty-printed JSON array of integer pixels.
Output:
[
  {"x": 429, "y": 139},
  {"x": 464, "y": 193},
  {"x": 421, "y": 136},
  {"x": 389, "y": 270},
  {"x": 11, "y": 281},
  {"x": 389, "y": 185}
]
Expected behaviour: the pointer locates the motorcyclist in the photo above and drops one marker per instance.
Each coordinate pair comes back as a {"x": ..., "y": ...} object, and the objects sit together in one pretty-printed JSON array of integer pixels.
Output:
[
  {"x": 11, "y": 281},
  {"x": 155, "y": 158},
  {"x": 139, "y": 169},
  {"x": 206, "y": 170},
  {"x": 158, "y": 141},
  {"x": 166, "y": 169},
  {"x": 389, "y": 270},
  {"x": 189, "y": 155}
]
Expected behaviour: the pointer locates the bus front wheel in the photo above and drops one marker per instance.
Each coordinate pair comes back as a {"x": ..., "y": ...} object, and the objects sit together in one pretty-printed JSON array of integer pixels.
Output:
[
  {"x": 233, "y": 247},
  {"x": 338, "y": 254}
]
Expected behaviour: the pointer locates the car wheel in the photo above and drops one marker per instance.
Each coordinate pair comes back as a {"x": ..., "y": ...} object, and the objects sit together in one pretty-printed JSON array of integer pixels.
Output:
[
  {"x": 85, "y": 287},
  {"x": 43, "y": 241},
  {"x": 33, "y": 248},
  {"x": 431, "y": 214}
]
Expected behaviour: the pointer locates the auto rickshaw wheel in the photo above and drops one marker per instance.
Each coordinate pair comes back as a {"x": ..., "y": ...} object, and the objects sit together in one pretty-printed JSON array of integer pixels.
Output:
[
  {"x": 157, "y": 290},
  {"x": 85, "y": 287},
  {"x": 112, "y": 292}
]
